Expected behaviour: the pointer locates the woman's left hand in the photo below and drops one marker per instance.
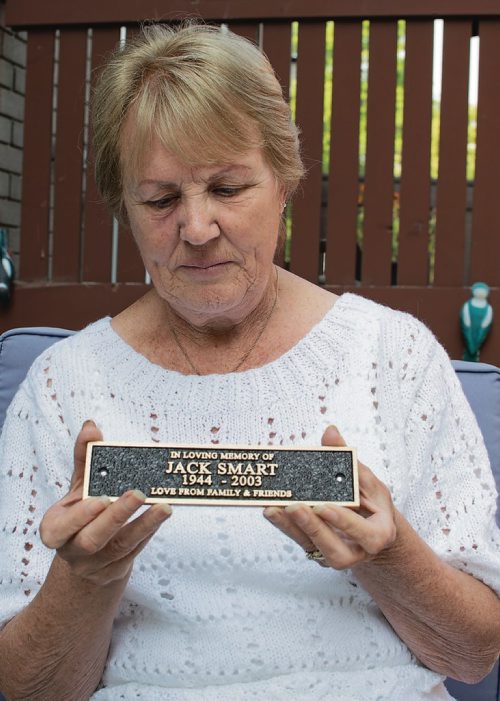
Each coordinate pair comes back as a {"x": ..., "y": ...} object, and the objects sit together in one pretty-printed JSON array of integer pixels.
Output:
[{"x": 343, "y": 536}]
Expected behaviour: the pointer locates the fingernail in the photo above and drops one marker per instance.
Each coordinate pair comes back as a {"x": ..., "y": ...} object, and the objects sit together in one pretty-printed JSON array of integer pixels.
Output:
[
  {"x": 299, "y": 513},
  {"x": 97, "y": 504},
  {"x": 271, "y": 512},
  {"x": 318, "y": 508},
  {"x": 135, "y": 494},
  {"x": 327, "y": 512},
  {"x": 88, "y": 422},
  {"x": 295, "y": 506},
  {"x": 166, "y": 508}
]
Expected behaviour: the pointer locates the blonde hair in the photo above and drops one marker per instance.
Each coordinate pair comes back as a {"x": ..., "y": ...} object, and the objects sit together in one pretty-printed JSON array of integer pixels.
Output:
[{"x": 205, "y": 92}]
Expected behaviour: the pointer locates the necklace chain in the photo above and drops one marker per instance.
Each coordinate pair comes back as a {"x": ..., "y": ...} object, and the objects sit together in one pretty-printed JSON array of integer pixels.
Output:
[{"x": 245, "y": 354}]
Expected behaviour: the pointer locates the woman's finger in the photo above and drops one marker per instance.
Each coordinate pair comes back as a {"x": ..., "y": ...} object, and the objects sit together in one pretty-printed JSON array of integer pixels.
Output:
[
  {"x": 338, "y": 552},
  {"x": 373, "y": 534},
  {"x": 132, "y": 534},
  {"x": 278, "y": 516},
  {"x": 332, "y": 438},
  {"x": 89, "y": 432},
  {"x": 61, "y": 522},
  {"x": 117, "y": 569},
  {"x": 114, "y": 560},
  {"x": 344, "y": 536},
  {"x": 96, "y": 534}
]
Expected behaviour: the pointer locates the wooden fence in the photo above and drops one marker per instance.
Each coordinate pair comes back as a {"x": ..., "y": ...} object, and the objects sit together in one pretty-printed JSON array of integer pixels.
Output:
[{"x": 75, "y": 265}]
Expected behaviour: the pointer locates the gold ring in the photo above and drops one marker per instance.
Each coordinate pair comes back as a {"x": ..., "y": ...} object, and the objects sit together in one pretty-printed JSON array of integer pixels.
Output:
[{"x": 316, "y": 555}]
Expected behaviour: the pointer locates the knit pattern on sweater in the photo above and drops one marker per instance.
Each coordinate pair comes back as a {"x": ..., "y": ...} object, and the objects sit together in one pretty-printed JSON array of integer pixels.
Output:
[{"x": 220, "y": 605}]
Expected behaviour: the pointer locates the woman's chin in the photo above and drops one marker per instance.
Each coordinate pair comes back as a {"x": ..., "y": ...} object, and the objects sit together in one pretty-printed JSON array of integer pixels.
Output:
[
  {"x": 219, "y": 303},
  {"x": 209, "y": 310}
]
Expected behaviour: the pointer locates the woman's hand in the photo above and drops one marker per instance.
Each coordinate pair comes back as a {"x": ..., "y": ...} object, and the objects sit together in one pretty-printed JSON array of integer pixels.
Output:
[
  {"x": 343, "y": 536},
  {"x": 93, "y": 535}
]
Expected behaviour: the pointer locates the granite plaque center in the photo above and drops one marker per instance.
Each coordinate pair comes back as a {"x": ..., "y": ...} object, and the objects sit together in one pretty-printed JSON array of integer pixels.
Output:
[{"x": 231, "y": 475}]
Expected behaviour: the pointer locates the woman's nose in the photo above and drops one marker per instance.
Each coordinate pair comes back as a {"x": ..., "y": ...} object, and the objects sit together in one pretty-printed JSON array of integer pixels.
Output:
[{"x": 197, "y": 221}]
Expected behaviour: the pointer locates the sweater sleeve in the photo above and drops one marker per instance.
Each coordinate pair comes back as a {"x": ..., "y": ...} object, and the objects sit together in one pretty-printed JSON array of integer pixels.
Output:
[
  {"x": 35, "y": 470},
  {"x": 451, "y": 499}
]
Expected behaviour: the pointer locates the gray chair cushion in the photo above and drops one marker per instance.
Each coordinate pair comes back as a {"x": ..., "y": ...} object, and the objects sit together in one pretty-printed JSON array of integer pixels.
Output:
[
  {"x": 18, "y": 350},
  {"x": 481, "y": 384}
]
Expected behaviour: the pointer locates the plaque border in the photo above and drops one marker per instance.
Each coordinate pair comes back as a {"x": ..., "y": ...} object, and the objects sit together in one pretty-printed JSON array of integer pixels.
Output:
[{"x": 186, "y": 501}]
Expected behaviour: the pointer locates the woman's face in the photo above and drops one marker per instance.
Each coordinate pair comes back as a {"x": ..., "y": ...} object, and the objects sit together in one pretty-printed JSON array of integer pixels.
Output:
[{"x": 207, "y": 235}]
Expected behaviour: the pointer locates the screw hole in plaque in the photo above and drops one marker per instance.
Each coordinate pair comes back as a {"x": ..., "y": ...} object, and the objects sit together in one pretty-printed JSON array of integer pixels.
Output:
[
  {"x": 340, "y": 477},
  {"x": 103, "y": 472}
]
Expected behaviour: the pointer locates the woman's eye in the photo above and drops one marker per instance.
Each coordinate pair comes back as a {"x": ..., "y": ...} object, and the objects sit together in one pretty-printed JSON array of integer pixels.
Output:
[
  {"x": 227, "y": 191},
  {"x": 162, "y": 203}
]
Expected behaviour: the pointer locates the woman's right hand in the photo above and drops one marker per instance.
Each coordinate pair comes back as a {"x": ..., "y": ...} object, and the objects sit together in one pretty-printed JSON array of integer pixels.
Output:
[{"x": 93, "y": 536}]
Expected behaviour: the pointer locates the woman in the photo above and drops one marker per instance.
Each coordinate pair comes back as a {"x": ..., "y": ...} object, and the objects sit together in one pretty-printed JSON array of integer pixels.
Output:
[{"x": 195, "y": 151}]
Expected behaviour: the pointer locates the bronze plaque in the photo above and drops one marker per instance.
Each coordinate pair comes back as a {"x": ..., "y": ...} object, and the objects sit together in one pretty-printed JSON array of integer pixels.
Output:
[{"x": 230, "y": 475}]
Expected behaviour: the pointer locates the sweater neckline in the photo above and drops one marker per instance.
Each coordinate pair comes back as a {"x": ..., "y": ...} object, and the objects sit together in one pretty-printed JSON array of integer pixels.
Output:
[{"x": 336, "y": 315}]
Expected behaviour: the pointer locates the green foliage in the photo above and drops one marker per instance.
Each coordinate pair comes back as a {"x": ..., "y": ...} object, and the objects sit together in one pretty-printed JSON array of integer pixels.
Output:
[{"x": 327, "y": 101}]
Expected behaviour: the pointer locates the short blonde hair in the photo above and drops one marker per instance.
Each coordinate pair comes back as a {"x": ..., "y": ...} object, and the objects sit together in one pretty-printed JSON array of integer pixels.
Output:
[{"x": 205, "y": 92}]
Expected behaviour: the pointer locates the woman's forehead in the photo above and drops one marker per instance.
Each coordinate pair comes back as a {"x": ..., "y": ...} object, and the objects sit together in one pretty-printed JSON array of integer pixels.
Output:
[
  {"x": 159, "y": 165},
  {"x": 143, "y": 145}
]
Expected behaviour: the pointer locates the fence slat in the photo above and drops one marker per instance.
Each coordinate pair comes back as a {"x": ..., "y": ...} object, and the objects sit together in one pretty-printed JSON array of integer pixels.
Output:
[
  {"x": 277, "y": 45},
  {"x": 98, "y": 222},
  {"x": 248, "y": 30},
  {"x": 37, "y": 153},
  {"x": 68, "y": 161},
  {"x": 377, "y": 235},
  {"x": 452, "y": 185},
  {"x": 309, "y": 113},
  {"x": 485, "y": 254},
  {"x": 343, "y": 181},
  {"x": 413, "y": 253}
]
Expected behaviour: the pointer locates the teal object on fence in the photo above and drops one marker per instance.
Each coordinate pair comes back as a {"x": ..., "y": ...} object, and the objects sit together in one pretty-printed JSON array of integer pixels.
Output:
[
  {"x": 7, "y": 272},
  {"x": 476, "y": 318}
]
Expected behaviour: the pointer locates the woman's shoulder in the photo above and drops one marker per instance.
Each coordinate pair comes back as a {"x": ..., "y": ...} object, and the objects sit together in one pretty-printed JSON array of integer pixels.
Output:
[
  {"x": 382, "y": 324},
  {"x": 352, "y": 311},
  {"x": 71, "y": 354},
  {"x": 353, "y": 324}
]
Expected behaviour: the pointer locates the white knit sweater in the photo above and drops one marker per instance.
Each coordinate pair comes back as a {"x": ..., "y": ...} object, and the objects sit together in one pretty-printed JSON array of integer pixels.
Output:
[{"x": 220, "y": 605}]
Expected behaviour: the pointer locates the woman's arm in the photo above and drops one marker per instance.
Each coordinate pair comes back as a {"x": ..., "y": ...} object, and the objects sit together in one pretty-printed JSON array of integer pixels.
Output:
[
  {"x": 57, "y": 646},
  {"x": 449, "y": 620}
]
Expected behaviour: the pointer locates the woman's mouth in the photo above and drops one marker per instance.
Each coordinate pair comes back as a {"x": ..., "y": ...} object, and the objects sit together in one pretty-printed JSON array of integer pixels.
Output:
[{"x": 206, "y": 267}]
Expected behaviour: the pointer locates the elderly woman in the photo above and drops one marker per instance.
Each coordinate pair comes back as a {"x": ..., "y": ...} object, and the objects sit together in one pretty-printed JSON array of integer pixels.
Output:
[{"x": 196, "y": 153}]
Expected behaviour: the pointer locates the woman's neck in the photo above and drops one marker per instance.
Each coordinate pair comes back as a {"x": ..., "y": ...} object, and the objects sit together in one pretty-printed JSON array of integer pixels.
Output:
[
  {"x": 215, "y": 327},
  {"x": 219, "y": 344},
  {"x": 295, "y": 305},
  {"x": 230, "y": 346}
]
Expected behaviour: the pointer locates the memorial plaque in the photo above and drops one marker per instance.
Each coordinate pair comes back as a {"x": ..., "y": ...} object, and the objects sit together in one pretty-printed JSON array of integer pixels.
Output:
[{"x": 230, "y": 475}]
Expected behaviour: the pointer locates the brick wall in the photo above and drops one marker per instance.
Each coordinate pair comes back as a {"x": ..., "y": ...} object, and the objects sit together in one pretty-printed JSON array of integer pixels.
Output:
[{"x": 12, "y": 89}]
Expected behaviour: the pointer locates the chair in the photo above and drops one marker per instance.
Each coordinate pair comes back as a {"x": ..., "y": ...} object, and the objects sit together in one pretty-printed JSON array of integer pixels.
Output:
[
  {"x": 481, "y": 383},
  {"x": 18, "y": 350}
]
